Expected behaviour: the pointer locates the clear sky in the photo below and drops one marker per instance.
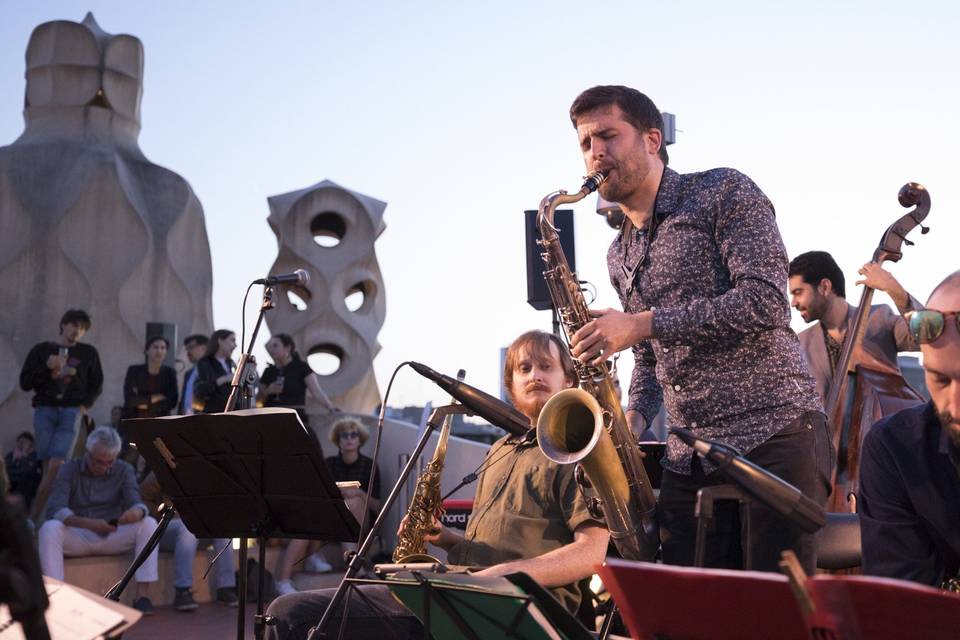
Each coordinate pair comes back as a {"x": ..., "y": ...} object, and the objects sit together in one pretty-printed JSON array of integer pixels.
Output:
[{"x": 455, "y": 115}]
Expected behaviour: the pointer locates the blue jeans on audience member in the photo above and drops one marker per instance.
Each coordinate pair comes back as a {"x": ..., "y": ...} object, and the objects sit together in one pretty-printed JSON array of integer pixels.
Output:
[
  {"x": 55, "y": 429},
  {"x": 177, "y": 538}
]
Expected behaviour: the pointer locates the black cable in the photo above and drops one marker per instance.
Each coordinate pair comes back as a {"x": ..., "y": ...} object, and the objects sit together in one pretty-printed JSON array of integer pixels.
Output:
[
  {"x": 592, "y": 290},
  {"x": 376, "y": 450},
  {"x": 487, "y": 462},
  {"x": 243, "y": 317},
  {"x": 366, "y": 501}
]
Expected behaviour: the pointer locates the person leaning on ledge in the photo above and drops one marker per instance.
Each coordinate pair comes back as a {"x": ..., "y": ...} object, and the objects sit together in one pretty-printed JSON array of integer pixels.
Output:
[{"x": 95, "y": 509}]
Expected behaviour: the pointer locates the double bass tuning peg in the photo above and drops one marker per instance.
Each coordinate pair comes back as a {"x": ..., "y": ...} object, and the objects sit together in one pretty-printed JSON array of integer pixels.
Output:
[{"x": 924, "y": 230}]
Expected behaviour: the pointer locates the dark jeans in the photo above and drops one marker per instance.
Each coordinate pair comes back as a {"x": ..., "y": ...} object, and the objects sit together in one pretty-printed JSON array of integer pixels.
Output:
[
  {"x": 297, "y": 613},
  {"x": 800, "y": 454}
]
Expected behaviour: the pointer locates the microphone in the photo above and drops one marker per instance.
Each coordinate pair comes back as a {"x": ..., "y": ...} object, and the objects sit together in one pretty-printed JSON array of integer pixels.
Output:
[
  {"x": 775, "y": 493},
  {"x": 298, "y": 278},
  {"x": 491, "y": 409}
]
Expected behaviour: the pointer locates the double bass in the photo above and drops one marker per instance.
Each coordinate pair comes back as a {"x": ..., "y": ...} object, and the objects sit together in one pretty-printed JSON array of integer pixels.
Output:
[{"x": 877, "y": 389}]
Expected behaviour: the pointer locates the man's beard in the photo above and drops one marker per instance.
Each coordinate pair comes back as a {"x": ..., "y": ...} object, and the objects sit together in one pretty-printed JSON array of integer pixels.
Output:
[
  {"x": 952, "y": 425},
  {"x": 817, "y": 308}
]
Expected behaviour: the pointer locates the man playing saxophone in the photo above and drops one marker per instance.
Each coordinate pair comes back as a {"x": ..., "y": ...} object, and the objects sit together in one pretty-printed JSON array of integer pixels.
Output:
[
  {"x": 528, "y": 514},
  {"x": 700, "y": 267}
]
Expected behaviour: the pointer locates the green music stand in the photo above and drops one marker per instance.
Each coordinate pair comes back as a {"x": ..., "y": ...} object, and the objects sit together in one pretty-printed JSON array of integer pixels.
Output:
[{"x": 461, "y": 605}]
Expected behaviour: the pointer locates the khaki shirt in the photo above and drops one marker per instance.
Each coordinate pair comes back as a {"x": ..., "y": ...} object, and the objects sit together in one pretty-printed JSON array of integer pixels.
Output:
[{"x": 525, "y": 506}]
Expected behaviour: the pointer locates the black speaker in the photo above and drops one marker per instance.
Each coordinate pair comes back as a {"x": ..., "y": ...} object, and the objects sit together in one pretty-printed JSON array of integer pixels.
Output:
[
  {"x": 537, "y": 293},
  {"x": 169, "y": 331}
]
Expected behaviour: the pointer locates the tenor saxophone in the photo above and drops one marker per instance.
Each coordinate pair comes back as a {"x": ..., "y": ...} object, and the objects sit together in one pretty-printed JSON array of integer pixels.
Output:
[
  {"x": 587, "y": 425},
  {"x": 425, "y": 504}
]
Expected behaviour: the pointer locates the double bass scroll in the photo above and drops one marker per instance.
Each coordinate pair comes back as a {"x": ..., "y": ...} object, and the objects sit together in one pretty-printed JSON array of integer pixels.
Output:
[{"x": 890, "y": 248}]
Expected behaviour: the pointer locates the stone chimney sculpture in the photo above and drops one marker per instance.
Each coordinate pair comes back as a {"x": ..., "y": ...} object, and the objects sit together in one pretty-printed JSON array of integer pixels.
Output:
[
  {"x": 330, "y": 231},
  {"x": 88, "y": 221}
]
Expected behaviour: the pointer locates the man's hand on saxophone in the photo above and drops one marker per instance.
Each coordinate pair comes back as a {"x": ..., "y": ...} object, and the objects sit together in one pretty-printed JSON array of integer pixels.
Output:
[
  {"x": 609, "y": 332},
  {"x": 438, "y": 536}
]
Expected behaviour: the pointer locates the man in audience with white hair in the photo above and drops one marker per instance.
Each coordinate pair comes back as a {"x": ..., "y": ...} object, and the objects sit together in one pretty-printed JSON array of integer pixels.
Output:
[{"x": 95, "y": 509}]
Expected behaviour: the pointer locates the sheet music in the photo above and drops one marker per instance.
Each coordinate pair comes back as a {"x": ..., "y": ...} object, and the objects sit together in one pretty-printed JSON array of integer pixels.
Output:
[{"x": 72, "y": 616}]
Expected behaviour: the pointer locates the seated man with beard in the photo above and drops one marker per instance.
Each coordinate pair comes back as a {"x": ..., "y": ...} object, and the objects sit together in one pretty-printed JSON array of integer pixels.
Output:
[
  {"x": 528, "y": 516},
  {"x": 910, "y": 473}
]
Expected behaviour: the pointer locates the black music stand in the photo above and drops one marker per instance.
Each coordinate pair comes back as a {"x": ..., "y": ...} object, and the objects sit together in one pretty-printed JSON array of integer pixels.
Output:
[{"x": 253, "y": 473}]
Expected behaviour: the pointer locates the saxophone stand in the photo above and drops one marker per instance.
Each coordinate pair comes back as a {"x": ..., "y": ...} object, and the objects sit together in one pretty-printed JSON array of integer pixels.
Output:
[{"x": 359, "y": 558}]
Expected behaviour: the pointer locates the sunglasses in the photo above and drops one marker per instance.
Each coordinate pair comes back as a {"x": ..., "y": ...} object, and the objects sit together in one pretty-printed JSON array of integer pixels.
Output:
[
  {"x": 926, "y": 325},
  {"x": 349, "y": 434}
]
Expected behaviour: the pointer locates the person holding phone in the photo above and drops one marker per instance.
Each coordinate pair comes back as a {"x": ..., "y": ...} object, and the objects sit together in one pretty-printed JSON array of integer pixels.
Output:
[
  {"x": 66, "y": 378},
  {"x": 95, "y": 508}
]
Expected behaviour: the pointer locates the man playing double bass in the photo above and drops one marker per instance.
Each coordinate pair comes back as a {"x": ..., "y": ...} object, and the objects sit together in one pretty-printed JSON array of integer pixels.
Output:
[{"x": 817, "y": 291}]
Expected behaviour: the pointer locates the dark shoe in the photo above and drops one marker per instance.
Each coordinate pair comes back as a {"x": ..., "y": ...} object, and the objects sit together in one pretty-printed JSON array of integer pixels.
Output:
[
  {"x": 143, "y": 605},
  {"x": 184, "y": 601},
  {"x": 227, "y": 596}
]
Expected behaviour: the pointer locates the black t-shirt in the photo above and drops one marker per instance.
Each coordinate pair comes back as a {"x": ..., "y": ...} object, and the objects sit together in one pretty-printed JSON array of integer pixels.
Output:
[
  {"x": 294, "y": 383},
  {"x": 359, "y": 471},
  {"x": 80, "y": 383}
]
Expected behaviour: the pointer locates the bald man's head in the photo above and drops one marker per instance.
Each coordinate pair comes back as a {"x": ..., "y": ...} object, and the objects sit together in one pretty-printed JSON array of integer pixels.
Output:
[
  {"x": 941, "y": 358},
  {"x": 946, "y": 293}
]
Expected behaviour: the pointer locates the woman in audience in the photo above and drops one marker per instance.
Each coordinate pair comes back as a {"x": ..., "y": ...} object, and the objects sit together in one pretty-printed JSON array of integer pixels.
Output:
[
  {"x": 215, "y": 372},
  {"x": 285, "y": 382},
  {"x": 150, "y": 389}
]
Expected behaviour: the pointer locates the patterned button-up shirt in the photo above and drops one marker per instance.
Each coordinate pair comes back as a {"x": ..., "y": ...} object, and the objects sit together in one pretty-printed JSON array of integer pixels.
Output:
[{"x": 713, "y": 269}]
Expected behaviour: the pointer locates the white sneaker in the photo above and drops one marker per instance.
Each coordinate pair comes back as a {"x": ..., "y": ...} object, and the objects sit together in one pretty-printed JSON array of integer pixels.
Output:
[
  {"x": 285, "y": 587},
  {"x": 315, "y": 563}
]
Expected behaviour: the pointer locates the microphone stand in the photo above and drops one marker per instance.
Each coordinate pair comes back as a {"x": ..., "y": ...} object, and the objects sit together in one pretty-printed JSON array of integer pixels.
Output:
[
  {"x": 358, "y": 559},
  {"x": 241, "y": 397},
  {"x": 241, "y": 393}
]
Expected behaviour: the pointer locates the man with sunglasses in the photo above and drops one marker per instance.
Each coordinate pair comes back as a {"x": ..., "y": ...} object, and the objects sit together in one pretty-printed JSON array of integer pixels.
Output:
[{"x": 910, "y": 472}]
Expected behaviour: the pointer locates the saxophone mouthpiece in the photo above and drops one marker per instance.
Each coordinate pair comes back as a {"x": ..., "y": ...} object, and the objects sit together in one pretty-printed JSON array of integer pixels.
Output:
[{"x": 593, "y": 181}]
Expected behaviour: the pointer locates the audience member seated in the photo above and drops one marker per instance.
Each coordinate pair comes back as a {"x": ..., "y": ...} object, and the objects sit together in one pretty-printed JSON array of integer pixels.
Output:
[
  {"x": 95, "y": 509},
  {"x": 349, "y": 464},
  {"x": 24, "y": 468},
  {"x": 215, "y": 372},
  {"x": 349, "y": 435},
  {"x": 178, "y": 539}
]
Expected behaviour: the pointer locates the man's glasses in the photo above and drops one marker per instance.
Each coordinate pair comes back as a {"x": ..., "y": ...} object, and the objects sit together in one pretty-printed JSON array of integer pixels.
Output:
[
  {"x": 349, "y": 434},
  {"x": 926, "y": 325}
]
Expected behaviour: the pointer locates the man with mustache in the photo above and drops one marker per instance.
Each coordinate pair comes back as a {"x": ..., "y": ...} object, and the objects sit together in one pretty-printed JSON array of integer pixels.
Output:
[
  {"x": 528, "y": 514},
  {"x": 910, "y": 472},
  {"x": 701, "y": 272}
]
